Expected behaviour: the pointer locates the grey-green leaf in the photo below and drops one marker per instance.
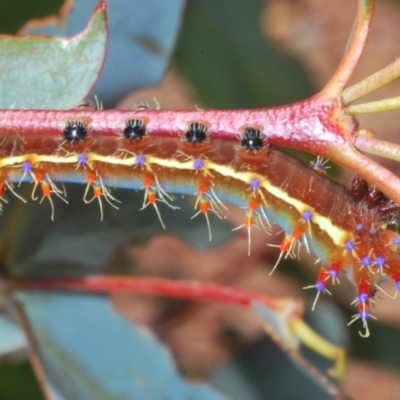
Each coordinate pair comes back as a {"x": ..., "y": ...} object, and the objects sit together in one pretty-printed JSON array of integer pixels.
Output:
[
  {"x": 45, "y": 72},
  {"x": 91, "y": 352}
]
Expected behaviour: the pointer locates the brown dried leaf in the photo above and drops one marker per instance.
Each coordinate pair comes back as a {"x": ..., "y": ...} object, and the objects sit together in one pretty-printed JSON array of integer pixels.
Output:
[
  {"x": 173, "y": 93},
  {"x": 370, "y": 382}
]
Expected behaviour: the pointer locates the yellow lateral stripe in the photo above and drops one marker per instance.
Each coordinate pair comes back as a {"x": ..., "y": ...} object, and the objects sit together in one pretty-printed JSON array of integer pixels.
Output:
[{"x": 338, "y": 235}]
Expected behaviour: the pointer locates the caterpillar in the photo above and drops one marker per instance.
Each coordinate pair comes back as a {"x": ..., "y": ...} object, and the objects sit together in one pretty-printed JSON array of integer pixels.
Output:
[{"x": 348, "y": 230}]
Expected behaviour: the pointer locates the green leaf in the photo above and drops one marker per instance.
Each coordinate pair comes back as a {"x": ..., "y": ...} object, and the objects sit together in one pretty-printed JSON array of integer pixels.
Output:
[{"x": 18, "y": 382}]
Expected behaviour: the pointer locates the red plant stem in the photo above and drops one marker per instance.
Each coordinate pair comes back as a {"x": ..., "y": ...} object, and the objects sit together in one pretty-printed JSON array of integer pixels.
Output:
[
  {"x": 354, "y": 50},
  {"x": 372, "y": 172},
  {"x": 304, "y": 125},
  {"x": 153, "y": 286},
  {"x": 319, "y": 125}
]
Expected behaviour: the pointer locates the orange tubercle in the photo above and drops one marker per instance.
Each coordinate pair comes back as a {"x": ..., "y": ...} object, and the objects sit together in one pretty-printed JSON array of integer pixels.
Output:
[
  {"x": 97, "y": 192},
  {"x": 45, "y": 189},
  {"x": 151, "y": 197},
  {"x": 148, "y": 183},
  {"x": 249, "y": 219},
  {"x": 286, "y": 243},
  {"x": 204, "y": 205},
  {"x": 203, "y": 188},
  {"x": 38, "y": 176},
  {"x": 91, "y": 177}
]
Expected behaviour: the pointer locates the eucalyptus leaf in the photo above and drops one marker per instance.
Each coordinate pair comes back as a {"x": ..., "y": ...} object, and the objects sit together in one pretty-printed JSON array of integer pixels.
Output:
[
  {"x": 44, "y": 72},
  {"x": 142, "y": 35},
  {"x": 12, "y": 339},
  {"x": 89, "y": 351}
]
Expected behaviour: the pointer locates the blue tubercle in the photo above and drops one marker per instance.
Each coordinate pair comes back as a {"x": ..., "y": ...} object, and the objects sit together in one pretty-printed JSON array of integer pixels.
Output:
[
  {"x": 366, "y": 261},
  {"x": 140, "y": 160},
  {"x": 255, "y": 184},
  {"x": 349, "y": 245},
  {"x": 27, "y": 166},
  {"x": 82, "y": 159},
  {"x": 198, "y": 164}
]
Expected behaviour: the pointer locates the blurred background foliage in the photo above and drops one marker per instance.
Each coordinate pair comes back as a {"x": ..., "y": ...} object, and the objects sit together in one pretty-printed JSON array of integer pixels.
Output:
[{"x": 222, "y": 52}]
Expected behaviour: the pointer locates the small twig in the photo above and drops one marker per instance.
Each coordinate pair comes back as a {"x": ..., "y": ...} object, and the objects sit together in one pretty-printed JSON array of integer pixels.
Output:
[
  {"x": 374, "y": 106},
  {"x": 354, "y": 50},
  {"x": 371, "y": 83},
  {"x": 32, "y": 350}
]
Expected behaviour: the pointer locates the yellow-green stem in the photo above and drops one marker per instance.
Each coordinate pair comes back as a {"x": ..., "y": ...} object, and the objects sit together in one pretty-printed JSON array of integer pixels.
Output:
[
  {"x": 378, "y": 147},
  {"x": 372, "y": 82},
  {"x": 374, "y": 106}
]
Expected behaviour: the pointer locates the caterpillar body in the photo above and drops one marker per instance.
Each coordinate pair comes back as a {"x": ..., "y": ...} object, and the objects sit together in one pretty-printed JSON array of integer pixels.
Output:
[{"x": 347, "y": 230}]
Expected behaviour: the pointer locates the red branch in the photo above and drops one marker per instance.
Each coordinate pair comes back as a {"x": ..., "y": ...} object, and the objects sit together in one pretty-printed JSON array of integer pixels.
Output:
[
  {"x": 306, "y": 125},
  {"x": 319, "y": 125},
  {"x": 153, "y": 286}
]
